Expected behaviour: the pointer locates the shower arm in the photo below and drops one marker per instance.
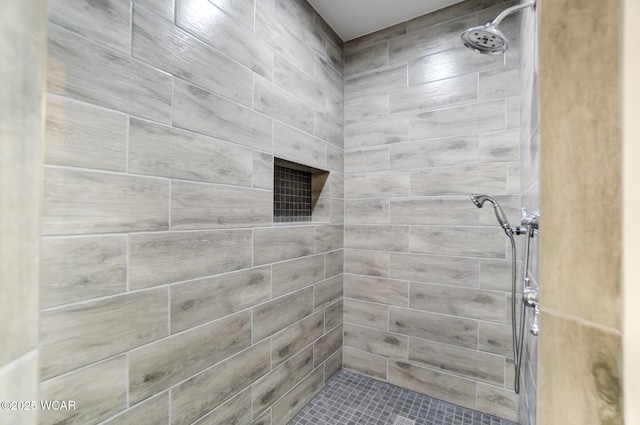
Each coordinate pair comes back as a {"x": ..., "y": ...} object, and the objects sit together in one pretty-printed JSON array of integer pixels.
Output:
[{"x": 511, "y": 10}]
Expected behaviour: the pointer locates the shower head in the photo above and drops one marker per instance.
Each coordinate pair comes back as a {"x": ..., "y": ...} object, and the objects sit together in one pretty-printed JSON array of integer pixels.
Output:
[
  {"x": 488, "y": 39},
  {"x": 479, "y": 201}
]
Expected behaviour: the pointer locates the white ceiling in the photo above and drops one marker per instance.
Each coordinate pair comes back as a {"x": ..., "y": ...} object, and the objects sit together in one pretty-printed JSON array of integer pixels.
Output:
[{"x": 354, "y": 18}]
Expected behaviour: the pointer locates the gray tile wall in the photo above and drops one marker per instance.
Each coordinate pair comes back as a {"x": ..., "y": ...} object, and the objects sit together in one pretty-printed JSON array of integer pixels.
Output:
[
  {"x": 530, "y": 196},
  {"x": 23, "y": 49},
  {"x": 427, "y": 283},
  {"x": 168, "y": 295}
]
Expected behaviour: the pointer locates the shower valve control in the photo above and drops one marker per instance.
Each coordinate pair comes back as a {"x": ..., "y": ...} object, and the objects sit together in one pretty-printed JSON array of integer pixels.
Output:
[{"x": 530, "y": 296}]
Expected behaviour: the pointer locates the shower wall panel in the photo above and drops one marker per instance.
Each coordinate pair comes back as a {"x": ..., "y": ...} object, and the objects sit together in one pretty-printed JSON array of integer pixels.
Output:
[
  {"x": 427, "y": 282},
  {"x": 168, "y": 295}
]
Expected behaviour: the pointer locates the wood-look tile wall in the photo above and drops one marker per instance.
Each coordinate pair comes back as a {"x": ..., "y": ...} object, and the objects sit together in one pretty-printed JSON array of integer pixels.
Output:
[
  {"x": 168, "y": 296},
  {"x": 427, "y": 122}
]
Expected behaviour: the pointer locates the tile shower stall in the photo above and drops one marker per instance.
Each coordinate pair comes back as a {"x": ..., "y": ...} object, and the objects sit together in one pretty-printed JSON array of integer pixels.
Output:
[{"x": 170, "y": 296}]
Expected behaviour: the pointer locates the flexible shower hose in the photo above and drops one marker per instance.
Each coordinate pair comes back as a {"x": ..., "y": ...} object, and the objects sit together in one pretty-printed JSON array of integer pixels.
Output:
[{"x": 517, "y": 342}]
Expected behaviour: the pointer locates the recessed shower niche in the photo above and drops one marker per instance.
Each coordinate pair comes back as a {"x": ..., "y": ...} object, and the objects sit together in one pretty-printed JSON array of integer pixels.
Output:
[{"x": 297, "y": 191}]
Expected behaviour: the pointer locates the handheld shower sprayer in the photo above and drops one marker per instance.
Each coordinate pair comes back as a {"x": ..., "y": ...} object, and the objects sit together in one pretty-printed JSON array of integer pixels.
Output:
[
  {"x": 530, "y": 226},
  {"x": 479, "y": 201}
]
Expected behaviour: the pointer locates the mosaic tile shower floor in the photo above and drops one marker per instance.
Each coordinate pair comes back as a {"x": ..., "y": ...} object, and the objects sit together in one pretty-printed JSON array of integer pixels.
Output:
[{"x": 352, "y": 399}]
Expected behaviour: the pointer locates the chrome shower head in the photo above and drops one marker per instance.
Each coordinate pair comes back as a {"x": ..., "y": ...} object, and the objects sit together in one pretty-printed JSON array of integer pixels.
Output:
[
  {"x": 479, "y": 201},
  {"x": 488, "y": 39}
]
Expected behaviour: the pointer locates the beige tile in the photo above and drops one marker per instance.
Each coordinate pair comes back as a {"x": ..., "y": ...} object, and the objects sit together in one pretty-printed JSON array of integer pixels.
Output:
[
  {"x": 153, "y": 411},
  {"x": 82, "y": 135},
  {"x": 327, "y": 346},
  {"x": 77, "y": 269},
  {"x": 458, "y": 150},
  {"x": 384, "y": 238},
  {"x": 20, "y": 380},
  {"x": 470, "y": 364},
  {"x": 450, "y": 63},
  {"x": 459, "y": 120},
  {"x": 300, "y": 147},
  {"x": 220, "y": 31},
  {"x": 434, "y": 95},
  {"x": 489, "y": 178},
  {"x": 329, "y": 238},
  {"x": 328, "y": 291},
  {"x": 463, "y": 302},
  {"x": 197, "y": 396},
  {"x": 168, "y": 152},
  {"x": 434, "y": 327},
  {"x": 582, "y": 364},
  {"x": 376, "y": 132},
  {"x": 207, "y": 113},
  {"x": 78, "y": 201},
  {"x": 497, "y": 401},
  {"x": 287, "y": 407},
  {"x": 92, "y": 73},
  {"x": 367, "y": 160},
  {"x": 371, "y": 185},
  {"x": 366, "y": 313},
  {"x": 427, "y": 268},
  {"x": 376, "y": 341},
  {"x": 281, "y": 379},
  {"x": 372, "y": 263},
  {"x": 376, "y": 82},
  {"x": 99, "y": 392},
  {"x": 459, "y": 241},
  {"x": 158, "y": 259},
  {"x": 275, "y": 315},
  {"x": 433, "y": 211},
  {"x": 367, "y": 211},
  {"x": 296, "y": 274},
  {"x": 294, "y": 338},
  {"x": 204, "y": 206},
  {"x": 365, "y": 363},
  {"x": 297, "y": 82},
  {"x": 107, "y": 24},
  {"x": 435, "y": 384},
  {"x": 204, "y": 300},
  {"x": 235, "y": 411},
  {"x": 80, "y": 334},
  {"x": 282, "y": 243},
  {"x": 280, "y": 105},
  {"x": 158, "y": 42},
  {"x": 375, "y": 289}
]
